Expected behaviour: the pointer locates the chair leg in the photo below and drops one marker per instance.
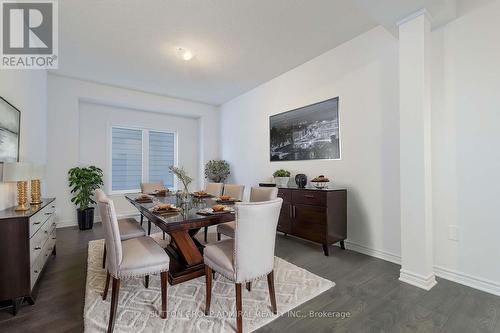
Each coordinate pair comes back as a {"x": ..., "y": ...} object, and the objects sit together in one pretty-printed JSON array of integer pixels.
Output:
[
  {"x": 239, "y": 319},
  {"x": 106, "y": 287},
  {"x": 272, "y": 294},
  {"x": 114, "y": 304},
  {"x": 104, "y": 257},
  {"x": 206, "y": 235},
  {"x": 146, "y": 281},
  {"x": 164, "y": 286},
  {"x": 142, "y": 219},
  {"x": 249, "y": 286},
  {"x": 218, "y": 236},
  {"x": 149, "y": 227},
  {"x": 208, "y": 287}
]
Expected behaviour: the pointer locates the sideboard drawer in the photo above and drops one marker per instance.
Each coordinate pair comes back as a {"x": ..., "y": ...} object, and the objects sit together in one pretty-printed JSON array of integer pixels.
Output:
[
  {"x": 40, "y": 217},
  {"x": 314, "y": 198}
]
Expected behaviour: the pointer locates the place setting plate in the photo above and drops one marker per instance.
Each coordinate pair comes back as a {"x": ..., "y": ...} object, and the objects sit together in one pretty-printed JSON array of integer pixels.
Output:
[{"x": 211, "y": 211}]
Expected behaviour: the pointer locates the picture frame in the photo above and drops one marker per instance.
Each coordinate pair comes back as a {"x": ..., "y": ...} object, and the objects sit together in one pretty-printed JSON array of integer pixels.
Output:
[
  {"x": 310, "y": 132},
  {"x": 10, "y": 131}
]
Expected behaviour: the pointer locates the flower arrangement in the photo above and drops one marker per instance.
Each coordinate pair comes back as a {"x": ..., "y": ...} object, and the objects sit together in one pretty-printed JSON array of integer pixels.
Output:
[{"x": 181, "y": 175}]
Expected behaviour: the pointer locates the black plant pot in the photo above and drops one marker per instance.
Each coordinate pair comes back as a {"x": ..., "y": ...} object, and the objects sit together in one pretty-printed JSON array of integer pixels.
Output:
[{"x": 85, "y": 218}]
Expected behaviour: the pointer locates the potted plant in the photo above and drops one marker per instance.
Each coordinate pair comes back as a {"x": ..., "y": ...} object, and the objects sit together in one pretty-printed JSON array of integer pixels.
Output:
[
  {"x": 217, "y": 170},
  {"x": 83, "y": 182},
  {"x": 281, "y": 177}
]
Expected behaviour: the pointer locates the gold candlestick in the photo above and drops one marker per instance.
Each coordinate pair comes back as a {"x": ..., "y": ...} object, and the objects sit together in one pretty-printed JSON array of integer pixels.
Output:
[
  {"x": 35, "y": 192},
  {"x": 22, "y": 196}
]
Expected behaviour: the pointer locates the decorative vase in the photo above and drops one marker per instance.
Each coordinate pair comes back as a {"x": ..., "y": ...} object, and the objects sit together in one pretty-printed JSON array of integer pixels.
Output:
[
  {"x": 281, "y": 181},
  {"x": 301, "y": 180}
]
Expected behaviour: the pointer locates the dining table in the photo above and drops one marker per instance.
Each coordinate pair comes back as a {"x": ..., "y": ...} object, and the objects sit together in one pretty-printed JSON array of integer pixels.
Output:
[{"x": 185, "y": 250}]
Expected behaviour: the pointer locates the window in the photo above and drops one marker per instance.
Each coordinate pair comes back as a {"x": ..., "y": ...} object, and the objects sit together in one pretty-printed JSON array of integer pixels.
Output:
[
  {"x": 141, "y": 155},
  {"x": 161, "y": 156}
]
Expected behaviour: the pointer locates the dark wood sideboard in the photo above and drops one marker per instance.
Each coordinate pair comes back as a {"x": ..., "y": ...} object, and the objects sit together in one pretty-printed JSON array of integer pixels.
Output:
[
  {"x": 27, "y": 239},
  {"x": 316, "y": 215}
]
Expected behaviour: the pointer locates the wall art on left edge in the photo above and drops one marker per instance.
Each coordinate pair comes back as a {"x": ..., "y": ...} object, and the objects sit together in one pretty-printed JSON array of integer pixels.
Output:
[{"x": 10, "y": 123}]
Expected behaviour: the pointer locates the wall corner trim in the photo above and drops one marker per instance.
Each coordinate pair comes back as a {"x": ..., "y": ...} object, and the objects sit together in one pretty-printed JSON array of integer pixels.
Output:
[{"x": 414, "y": 15}]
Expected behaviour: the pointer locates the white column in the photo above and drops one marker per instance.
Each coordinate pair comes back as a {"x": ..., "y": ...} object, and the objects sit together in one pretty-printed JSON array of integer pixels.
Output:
[{"x": 415, "y": 152}]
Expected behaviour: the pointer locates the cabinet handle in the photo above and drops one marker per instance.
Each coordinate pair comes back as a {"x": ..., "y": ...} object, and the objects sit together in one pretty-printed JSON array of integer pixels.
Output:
[
  {"x": 294, "y": 212},
  {"x": 291, "y": 211},
  {"x": 309, "y": 196}
]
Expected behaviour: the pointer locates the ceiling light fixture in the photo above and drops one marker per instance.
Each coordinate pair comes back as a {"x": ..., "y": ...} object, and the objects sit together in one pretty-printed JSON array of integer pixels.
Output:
[{"x": 185, "y": 54}]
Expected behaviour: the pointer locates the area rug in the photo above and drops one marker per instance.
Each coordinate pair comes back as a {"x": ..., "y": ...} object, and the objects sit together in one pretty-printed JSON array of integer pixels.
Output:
[{"x": 138, "y": 307}]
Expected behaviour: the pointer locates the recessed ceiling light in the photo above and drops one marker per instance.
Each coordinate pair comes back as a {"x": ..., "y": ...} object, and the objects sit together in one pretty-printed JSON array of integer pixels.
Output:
[{"x": 185, "y": 54}]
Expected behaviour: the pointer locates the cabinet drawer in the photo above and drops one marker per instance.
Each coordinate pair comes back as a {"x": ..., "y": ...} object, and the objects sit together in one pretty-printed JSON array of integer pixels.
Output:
[
  {"x": 310, "y": 222},
  {"x": 40, "y": 217},
  {"x": 286, "y": 195},
  {"x": 315, "y": 198}
]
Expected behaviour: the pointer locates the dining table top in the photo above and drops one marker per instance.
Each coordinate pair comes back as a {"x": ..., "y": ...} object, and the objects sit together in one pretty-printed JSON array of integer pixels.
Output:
[{"x": 186, "y": 218}]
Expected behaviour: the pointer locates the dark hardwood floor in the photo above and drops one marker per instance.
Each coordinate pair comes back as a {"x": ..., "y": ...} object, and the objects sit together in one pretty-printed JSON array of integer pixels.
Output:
[{"x": 367, "y": 288}]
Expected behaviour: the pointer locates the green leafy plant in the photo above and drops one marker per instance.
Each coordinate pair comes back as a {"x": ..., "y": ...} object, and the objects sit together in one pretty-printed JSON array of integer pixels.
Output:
[
  {"x": 217, "y": 170},
  {"x": 83, "y": 182},
  {"x": 182, "y": 175},
  {"x": 281, "y": 173}
]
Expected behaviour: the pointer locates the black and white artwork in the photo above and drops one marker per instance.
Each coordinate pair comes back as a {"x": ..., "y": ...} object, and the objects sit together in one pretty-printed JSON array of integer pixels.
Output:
[
  {"x": 308, "y": 133},
  {"x": 9, "y": 132}
]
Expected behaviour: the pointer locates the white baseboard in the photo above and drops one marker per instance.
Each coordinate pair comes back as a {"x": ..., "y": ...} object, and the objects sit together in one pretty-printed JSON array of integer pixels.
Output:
[
  {"x": 97, "y": 219},
  {"x": 387, "y": 256},
  {"x": 417, "y": 280},
  {"x": 468, "y": 280}
]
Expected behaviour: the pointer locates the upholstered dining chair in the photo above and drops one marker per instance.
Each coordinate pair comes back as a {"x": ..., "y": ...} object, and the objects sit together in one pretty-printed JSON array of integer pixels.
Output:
[
  {"x": 239, "y": 259},
  {"x": 257, "y": 194},
  {"x": 131, "y": 258},
  {"x": 234, "y": 191},
  {"x": 149, "y": 188},
  {"x": 128, "y": 228},
  {"x": 214, "y": 189}
]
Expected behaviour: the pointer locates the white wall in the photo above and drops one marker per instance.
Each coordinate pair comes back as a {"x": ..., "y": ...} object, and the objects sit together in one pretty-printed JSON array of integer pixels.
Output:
[
  {"x": 466, "y": 154},
  {"x": 95, "y": 123},
  {"x": 65, "y": 96},
  {"x": 27, "y": 91},
  {"x": 364, "y": 74}
]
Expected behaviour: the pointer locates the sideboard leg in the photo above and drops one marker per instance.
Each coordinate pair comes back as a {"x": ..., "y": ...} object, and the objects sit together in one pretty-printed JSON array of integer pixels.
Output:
[
  {"x": 342, "y": 245},
  {"x": 16, "y": 305},
  {"x": 326, "y": 250}
]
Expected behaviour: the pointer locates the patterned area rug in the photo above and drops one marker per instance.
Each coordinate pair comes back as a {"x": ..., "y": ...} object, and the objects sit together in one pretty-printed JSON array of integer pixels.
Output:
[{"x": 138, "y": 307}]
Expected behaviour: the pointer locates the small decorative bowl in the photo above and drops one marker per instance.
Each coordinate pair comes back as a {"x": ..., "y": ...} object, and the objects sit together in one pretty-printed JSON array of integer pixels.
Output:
[{"x": 320, "y": 185}]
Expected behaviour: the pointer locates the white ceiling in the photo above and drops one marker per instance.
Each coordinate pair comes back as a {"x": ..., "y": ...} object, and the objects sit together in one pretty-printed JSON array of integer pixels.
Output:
[{"x": 238, "y": 44}]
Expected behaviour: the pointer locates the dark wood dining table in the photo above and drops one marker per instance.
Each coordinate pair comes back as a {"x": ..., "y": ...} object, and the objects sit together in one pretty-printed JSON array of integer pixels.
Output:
[{"x": 185, "y": 251}]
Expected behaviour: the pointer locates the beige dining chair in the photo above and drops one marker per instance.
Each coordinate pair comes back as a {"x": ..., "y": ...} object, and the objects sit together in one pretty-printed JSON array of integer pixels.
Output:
[
  {"x": 235, "y": 191},
  {"x": 132, "y": 258},
  {"x": 214, "y": 189},
  {"x": 149, "y": 188},
  {"x": 257, "y": 194},
  {"x": 239, "y": 259},
  {"x": 129, "y": 228}
]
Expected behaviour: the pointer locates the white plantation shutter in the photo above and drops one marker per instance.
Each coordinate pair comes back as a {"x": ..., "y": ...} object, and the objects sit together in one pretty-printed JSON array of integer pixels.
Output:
[
  {"x": 161, "y": 157},
  {"x": 126, "y": 159}
]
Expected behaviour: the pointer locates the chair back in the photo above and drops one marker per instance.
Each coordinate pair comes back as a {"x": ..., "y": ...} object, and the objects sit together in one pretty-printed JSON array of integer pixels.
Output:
[
  {"x": 235, "y": 191},
  {"x": 111, "y": 232},
  {"x": 151, "y": 187},
  {"x": 255, "y": 236},
  {"x": 214, "y": 188},
  {"x": 263, "y": 193}
]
